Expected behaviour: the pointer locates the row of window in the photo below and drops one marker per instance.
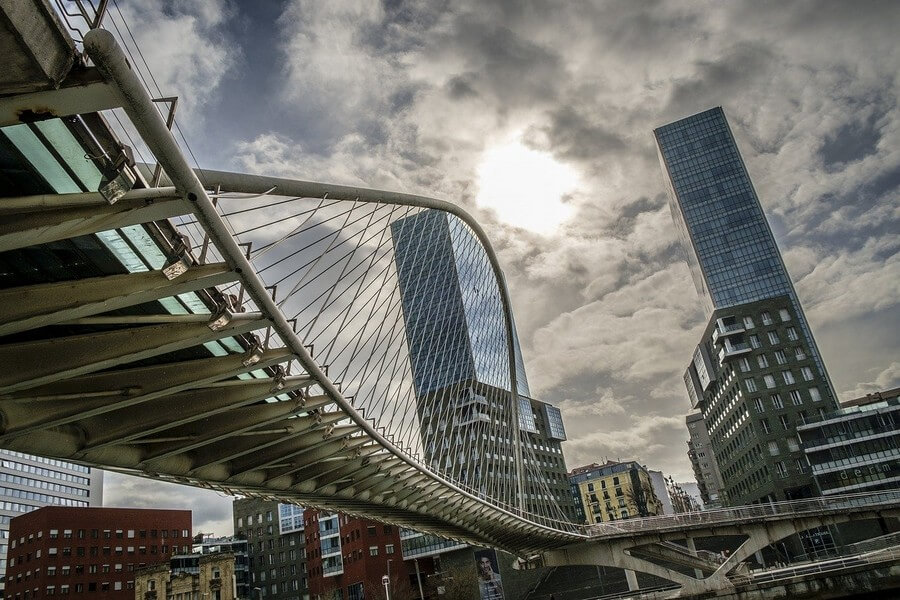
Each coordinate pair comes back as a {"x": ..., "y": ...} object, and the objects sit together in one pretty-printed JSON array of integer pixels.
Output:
[
  {"x": 50, "y": 461},
  {"x": 47, "y": 498},
  {"x": 43, "y": 485},
  {"x": 81, "y": 534},
  {"x": 77, "y": 588},
  {"x": 95, "y": 551},
  {"x": 43, "y": 472},
  {"x": 788, "y": 378}
]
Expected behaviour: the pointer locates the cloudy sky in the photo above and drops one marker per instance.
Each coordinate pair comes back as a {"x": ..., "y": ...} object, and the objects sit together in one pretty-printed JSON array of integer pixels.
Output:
[{"x": 537, "y": 117}]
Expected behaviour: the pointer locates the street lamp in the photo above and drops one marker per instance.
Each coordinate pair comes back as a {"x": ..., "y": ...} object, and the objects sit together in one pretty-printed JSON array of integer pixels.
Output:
[{"x": 386, "y": 581}]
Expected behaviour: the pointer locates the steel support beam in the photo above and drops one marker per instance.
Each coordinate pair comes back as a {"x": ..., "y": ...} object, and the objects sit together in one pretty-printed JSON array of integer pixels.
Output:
[
  {"x": 30, "y": 364},
  {"x": 22, "y": 412},
  {"x": 33, "y": 306},
  {"x": 181, "y": 409},
  {"x": 86, "y": 95},
  {"x": 210, "y": 451},
  {"x": 21, "y": 229}
]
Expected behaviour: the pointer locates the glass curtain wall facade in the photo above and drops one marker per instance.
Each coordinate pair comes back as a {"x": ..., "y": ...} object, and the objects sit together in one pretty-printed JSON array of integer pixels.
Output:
[
  {"x": 757, "y": 373},
  {"x": 727, "y": 240}
]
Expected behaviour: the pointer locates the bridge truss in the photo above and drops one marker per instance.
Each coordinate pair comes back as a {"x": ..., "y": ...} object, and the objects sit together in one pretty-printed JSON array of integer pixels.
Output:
[{"x": 257, "y": 336}]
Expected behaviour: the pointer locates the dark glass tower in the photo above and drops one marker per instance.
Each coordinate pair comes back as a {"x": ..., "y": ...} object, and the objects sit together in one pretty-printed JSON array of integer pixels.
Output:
[
  {"x": 457, "y": 340},
  {"x": 449, "y": 294},
  {"x": 729, "y": 246},
  {"x": 757, "y": 373}
]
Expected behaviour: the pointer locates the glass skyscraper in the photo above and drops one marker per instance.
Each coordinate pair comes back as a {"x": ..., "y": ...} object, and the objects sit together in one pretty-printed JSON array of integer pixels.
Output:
[
  {"x": 756, "y": 374},
  {"x": 457, "y": 339},
  {"x": 727, "y": 240},
  {"x": 449, "y": 293}
]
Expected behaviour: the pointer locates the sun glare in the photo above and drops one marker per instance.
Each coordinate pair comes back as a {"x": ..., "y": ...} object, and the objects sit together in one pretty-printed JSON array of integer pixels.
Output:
[{"x": 525, "y": 187}]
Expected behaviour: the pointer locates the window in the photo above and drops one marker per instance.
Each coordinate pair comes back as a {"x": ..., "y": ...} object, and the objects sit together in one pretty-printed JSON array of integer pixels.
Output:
[
  {"x": 744, "y": 365},
  {"x": 796, "y": 399},
  {"x": 769, "y": 381},
  {"x": 781, "y": 468},
  {"x": 780, "y": 358},
  {"x": 131, "y": 533},
  {"x": 759, "y": 405},
  {"x": 793, "y": 445},
  {"x": 54, "y": 533},
  {"x": 754, "y": 341},
  {"x": 776, "y": 401},
  {"x": 806, "y": 373},
  {"x": 748, "y": 322},
  {"x": 750, "y": 384},
  {"x": 762, "y": 361},
  {"x": 800, "y": 353},
  {"x": 773, "y": 448},
  {"x": 814, "y": 394},
  {"x": 773, "y": 338},
  {"x": 388, "y": 548},
  {"x": 792, "y": 334},
  {"x": 784, "y": 421},
  {"x": 788, "y": 377},
  {"x": 766, "y": 318},
  {"x": 784, "y": 315},
  {"x": 765, "y": 425},
  {"x": 373, "y": 550}
]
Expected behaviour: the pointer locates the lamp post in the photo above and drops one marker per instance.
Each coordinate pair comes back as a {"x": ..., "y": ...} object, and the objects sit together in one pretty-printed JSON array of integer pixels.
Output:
[{"x": 386, "y": 581}]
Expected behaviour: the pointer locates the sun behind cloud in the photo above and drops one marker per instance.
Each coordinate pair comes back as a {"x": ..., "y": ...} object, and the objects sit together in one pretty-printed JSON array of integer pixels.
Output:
[{"x": 525, "y": 187}]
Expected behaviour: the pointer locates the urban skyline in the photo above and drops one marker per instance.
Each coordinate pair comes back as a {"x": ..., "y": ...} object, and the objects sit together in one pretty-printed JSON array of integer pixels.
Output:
[{"x": 618, "y": 288}]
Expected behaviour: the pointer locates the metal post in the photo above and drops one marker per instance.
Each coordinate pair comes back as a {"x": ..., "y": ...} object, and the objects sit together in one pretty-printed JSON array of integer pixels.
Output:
[
  {"x": 387, "y": 582},
  {"x": 419, "y": 579}
]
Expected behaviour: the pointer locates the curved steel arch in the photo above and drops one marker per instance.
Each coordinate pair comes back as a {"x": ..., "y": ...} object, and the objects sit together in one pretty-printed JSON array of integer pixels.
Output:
[{"x": 102, "y": 48}]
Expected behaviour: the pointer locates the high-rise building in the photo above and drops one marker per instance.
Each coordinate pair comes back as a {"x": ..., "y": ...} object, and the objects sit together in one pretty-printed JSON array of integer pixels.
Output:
[
  {"x": 462, "y": 384},
  {"x": 93, "y": 552},
  {"x": 703, "y": 461},
  {"x": 276, "y": 548},
  {"x": 757, "y": 373},
  {"x": 29, "y": 482}
]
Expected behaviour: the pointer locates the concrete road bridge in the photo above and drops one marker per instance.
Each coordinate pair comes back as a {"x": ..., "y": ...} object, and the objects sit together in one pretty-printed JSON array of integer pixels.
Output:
[{"x": 252, "y": 335}]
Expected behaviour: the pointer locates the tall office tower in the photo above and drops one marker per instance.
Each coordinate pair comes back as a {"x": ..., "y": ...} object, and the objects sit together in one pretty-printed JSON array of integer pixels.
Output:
[
  {"x": 276, "y": 547},
  {"x": 757, "y": 372},
  {"x": 29, "y": 482},
  {"x": 458, "y": 348}
]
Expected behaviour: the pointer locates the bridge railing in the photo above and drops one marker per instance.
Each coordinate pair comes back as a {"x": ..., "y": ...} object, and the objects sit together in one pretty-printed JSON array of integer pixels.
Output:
[
  {"x": 742, "y": 513},
  {"x": 826, "y": 566}
]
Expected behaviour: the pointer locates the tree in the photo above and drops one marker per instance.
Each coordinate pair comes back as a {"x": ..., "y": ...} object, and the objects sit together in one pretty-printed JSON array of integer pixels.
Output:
[{"x": 458, "y": 583}]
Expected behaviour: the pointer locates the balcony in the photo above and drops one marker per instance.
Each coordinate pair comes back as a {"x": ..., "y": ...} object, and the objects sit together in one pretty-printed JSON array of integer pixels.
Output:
[
  {"x": 731, "y": 349},
  {"x": 723, "y": 329}
]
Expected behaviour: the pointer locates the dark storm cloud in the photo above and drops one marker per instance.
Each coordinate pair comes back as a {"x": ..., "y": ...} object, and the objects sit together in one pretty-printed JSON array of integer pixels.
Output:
[{"x": 409, "y": 95}]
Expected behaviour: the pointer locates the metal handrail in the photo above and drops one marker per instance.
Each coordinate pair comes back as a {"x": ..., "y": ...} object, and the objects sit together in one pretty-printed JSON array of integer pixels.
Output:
[{"x": 754, "y": 511}]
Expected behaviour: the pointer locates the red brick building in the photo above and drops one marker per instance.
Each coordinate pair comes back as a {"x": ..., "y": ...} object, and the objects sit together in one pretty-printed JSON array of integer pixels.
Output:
[
  {"x": 352, "y": 555},
  {"x": 67, "y": 551}
]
